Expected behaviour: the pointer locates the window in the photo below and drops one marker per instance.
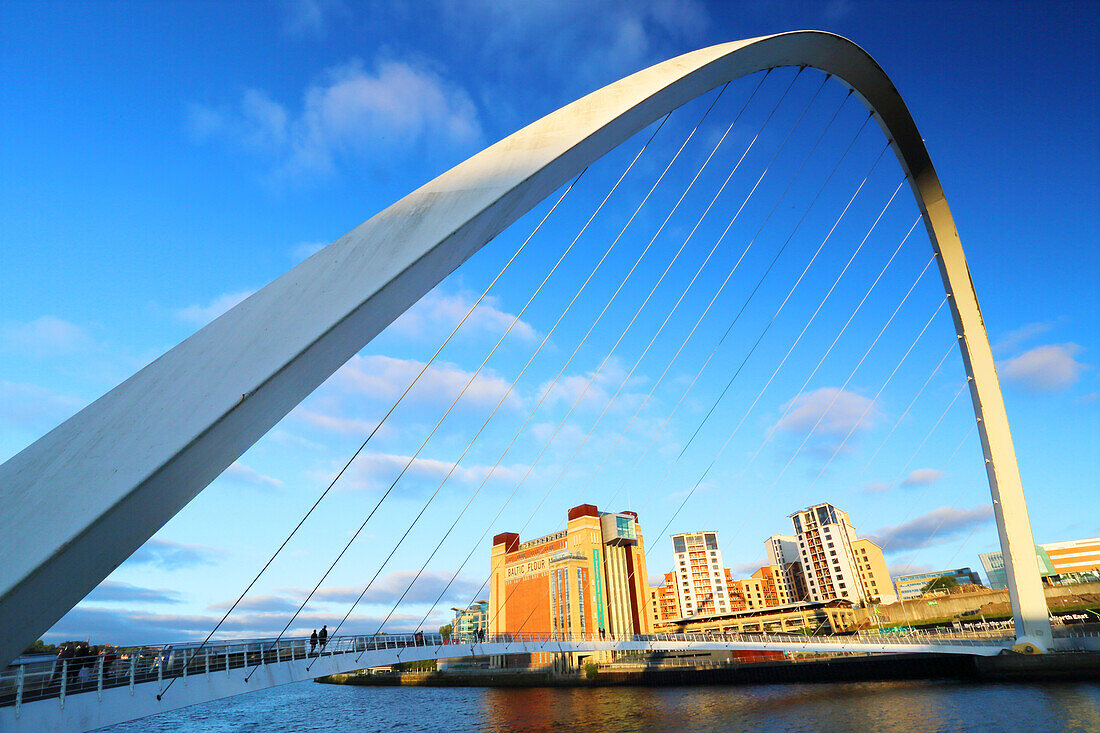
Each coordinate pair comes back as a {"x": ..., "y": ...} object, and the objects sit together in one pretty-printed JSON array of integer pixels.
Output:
[
  {"x": 830, "y": 544},
  {"x": 832, "y": 552},
  {"x": 678, "y": 544}
]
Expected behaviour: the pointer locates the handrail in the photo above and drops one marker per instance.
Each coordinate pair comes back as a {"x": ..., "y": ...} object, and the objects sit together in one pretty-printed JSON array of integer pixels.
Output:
[{"x": 121, "y": 666}]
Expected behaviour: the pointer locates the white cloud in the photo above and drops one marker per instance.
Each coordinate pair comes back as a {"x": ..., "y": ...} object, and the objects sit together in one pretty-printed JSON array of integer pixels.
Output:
[
  {"x": 922, "y": 477},
  {"x": 305, "y": 250},
  {"x": 110, "y": 591},
  {"x": 599, "y": 40},
  {"x": 437, "y": 312},
  {"x": 385, "y": 378},
  {"x": 836, "y": 10},
  {"x": 335, "y": 424},
  {"x": 248, "y": 475},
  {"x": 169, "y": 555},
  {"x": 200, "y": 315},
  {"x": 355, "y": 110},
  {"x": 897, "y": 571},
  {"x": 377, "y": 470},
  {"x": 310, "y": 17},
  {"x": 1019, "y": 336},
  {"x": 125, "y": 626},
  {"x": 47, "y": 336},
  {"x": 389, "y": 587},
  {"x": 593, "y": 390},
  {"x": 1047, "y": 368},
  {"x": 935, "y": 527},
  {"x": 746, "y": 569},
  {"x": 841, "y": 410},
  {"x": 31, "y": 407}
]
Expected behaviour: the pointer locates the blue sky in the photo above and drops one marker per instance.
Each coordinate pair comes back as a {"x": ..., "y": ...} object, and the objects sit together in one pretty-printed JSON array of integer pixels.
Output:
[{"x": 161, "y": 162}]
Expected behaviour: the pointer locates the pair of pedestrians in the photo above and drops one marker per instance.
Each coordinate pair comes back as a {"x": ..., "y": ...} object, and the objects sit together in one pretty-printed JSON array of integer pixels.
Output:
[{"x": 315, "y": 639}]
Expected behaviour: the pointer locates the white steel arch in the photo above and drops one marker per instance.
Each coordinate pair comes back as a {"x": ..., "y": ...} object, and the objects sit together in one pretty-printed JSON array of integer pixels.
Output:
[{"x": 81, "y": 499}]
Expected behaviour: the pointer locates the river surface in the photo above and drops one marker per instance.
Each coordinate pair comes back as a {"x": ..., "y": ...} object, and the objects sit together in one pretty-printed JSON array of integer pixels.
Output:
[{"x": 907, "y": 707}]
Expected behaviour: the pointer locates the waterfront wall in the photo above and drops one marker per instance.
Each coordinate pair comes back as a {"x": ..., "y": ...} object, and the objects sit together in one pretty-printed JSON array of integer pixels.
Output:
[
  {"x": 1006, "y": 667},
  {"x": 987, "y": 603}
]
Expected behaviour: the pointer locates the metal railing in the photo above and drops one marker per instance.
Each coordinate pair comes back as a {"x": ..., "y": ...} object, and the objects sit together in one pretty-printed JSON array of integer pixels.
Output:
[{"x": 120, "y": 666}]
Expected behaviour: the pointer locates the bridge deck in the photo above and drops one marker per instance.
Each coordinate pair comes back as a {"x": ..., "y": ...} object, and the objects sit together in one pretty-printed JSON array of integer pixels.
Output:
[{"x": 84, "y": 694}]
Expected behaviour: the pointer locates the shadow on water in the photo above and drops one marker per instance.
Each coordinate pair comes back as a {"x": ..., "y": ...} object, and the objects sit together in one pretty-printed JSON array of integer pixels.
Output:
[{"x": 866, "y": 706}]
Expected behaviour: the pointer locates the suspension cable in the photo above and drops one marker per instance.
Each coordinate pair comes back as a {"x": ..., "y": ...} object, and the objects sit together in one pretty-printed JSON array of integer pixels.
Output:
[
  {"x": 547, "y": 392},
  {"x": 763, "y": 497},
  {"x": 758, "y": 284},
  {"x": 668, "y": 317},
  {"x": 470, "y": 444},
  {"x": 847, "y": 381},
  {"x": 378, "y": 426},
  {"x": 710, "y": 304},
  {"x": 943, "y": 520},
  {"x": 901, "y": 417},
  {"x": 916, "y": 452},
  {"x": 729, "y": 438},
  {"x": 591, "y": 275},
  {"x": 874, "y": 400},
  {"x": 744, "y": 305},
  {"x": 767, "y": 327},
  {"x": 475, "y": 374}
]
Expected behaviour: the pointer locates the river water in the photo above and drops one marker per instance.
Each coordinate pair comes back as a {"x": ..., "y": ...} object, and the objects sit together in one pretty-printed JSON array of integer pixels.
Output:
[{"x": 886, "y": 707}]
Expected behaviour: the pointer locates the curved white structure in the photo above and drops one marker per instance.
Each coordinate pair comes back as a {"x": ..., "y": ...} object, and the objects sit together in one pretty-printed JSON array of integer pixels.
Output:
[{"x": 80, "y": 500}]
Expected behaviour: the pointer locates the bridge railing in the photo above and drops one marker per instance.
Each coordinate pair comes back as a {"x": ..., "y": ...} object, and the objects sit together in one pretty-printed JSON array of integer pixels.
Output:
[{"x": 33, "y": 679}]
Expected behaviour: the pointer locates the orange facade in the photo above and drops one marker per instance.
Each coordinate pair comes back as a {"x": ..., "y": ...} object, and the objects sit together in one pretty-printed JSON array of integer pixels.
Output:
[{"x": 589, "y": 579}]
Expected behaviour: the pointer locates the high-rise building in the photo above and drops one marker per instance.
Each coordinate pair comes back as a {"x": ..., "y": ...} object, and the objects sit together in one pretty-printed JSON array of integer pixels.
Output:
[
  {"x": 911, "y": 586},
  {"x": 700, "y": 576},
  {"x": 589, "y": 578},
  {"x": 835, "y": 562},
  {"x": 785, "y": 560}
]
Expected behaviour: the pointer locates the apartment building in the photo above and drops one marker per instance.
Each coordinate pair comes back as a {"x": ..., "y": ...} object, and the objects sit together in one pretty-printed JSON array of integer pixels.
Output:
[
  {"x": 700, "y": 575},
  {"x": 836, "y": 563}
]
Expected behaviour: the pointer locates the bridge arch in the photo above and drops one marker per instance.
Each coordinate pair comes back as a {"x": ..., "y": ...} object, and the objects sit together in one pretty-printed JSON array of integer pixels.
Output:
[{"x": 127, "y": 463}]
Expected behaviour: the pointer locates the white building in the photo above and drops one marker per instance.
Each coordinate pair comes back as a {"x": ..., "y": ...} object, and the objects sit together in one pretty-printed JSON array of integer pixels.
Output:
[
  {"x": 700, "y": 574},
  {"x": 785, "y": 560},
  {"x": 825, "y": 535}
]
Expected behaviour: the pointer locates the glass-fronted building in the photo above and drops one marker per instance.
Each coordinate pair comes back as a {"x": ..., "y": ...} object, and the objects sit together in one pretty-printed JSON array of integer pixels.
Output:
[
  {"x": 910, "y": 586},
  {"x": 469, "y": 621},
  {"x": 994, "y": 565}
]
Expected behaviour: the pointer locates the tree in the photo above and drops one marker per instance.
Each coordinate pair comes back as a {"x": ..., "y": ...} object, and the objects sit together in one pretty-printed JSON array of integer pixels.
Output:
[
  {"x": 445, "y": 631},
  {"x": 39, "y": 647},
  {"x": 945, "y": 583}
]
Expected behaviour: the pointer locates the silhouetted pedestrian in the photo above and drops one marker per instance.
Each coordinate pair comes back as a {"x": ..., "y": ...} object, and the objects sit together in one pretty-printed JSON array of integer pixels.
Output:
[
  {"x": 79, "y": 659},
  {"x": 66, "y": 654},
  {"x": 312, "y": 641},
  {"x": 323, "y": 637}
]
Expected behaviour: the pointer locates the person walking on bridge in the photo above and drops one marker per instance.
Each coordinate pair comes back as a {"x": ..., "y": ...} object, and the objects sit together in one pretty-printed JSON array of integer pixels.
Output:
[
  {"x": 312, "y": 642},
  {"x": 323, "y": 637}
]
